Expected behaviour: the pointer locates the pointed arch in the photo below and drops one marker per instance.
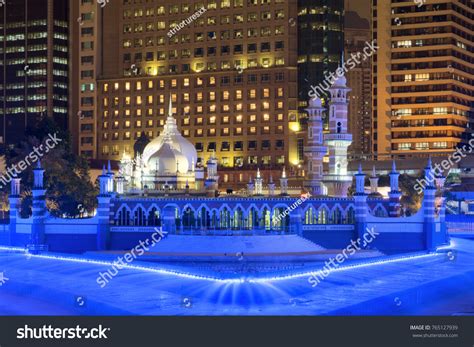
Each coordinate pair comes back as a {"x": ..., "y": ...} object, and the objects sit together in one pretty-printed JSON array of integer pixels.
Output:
[
  {"x": 380, "y": 211},
  {"x": 336, "y": 216},
  {"x": 122, "y": 216},
  {"x": 139, "y": 217}
]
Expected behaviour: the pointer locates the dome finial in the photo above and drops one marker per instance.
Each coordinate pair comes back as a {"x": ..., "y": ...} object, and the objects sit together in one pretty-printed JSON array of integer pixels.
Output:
[{"x": 170, "y": 107}]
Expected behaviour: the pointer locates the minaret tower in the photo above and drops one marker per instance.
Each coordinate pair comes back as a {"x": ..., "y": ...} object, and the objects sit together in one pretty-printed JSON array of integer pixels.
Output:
[
  {"x": 338, "y": 140},
  {"x": 315, "y": 150},
  {"x": 39, "y": 207}
]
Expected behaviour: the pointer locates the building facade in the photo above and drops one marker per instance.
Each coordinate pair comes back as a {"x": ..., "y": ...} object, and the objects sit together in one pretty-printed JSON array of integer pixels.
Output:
[
  {"x": 422, "y": 84},
  {"x": 34, "y": 59},
  {"x": 235, "y": 99},
  {"x": 357, "y": 33},
  {"x": 85, "y": 25}
]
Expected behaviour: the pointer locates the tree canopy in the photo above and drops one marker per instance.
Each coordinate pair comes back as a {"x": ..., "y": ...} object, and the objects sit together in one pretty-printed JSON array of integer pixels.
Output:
[{"x": 69, "y": 190}]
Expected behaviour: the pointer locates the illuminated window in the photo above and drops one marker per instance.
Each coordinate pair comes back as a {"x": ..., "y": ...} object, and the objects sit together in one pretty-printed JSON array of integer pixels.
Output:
[
  {"x": 238, "y": 119},
  {"x": 139, "y": 85},
  {"x": 116, "y": 86}
]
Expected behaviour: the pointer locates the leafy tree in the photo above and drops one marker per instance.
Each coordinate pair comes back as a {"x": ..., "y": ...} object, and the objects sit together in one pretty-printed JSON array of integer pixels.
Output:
[{"x": 67, "y": 181}]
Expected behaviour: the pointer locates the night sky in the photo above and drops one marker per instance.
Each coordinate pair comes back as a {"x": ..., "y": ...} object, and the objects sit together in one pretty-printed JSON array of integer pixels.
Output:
[{"x": 360, "y": 6}]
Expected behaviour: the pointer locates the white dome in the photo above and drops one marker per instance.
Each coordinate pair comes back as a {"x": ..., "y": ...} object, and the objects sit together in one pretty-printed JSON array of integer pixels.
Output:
[
  {"x": 176, "y": 141},
  {"x": 168, "y": 160},
  {"x": 340, "y": 82},
  {"x": 315, "y": 102}
]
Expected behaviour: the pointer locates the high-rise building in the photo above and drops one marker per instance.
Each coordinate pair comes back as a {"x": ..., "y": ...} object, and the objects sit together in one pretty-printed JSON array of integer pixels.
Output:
[
  {"x": 34, "y": 65},
  {"x": 228, "y": 66},
  {"x": 320, "y": 43},
  {"x": 423, "y": 77},
  {"x": 357, "y": 33},
  {"x": 85, "y": 27}
]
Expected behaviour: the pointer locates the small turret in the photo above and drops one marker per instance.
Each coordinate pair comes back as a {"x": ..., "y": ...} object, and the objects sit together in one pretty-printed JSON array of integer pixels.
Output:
[
  {"x": 104, "y": 182},
  {"x": 110, "y": 173},
  {"x": 250, "y": 186},
  {"x": 394, "y": 175},
  {"x": 360, "y": 181},
  {"x": 374, "y": 182},
  {"x": 38, "y": 174},
  {"x": 259, "y": 183},
  {"x": 271, "y": 186},
  {"x": 394, "y": 194},
  {"x": 283, "y": 183}
]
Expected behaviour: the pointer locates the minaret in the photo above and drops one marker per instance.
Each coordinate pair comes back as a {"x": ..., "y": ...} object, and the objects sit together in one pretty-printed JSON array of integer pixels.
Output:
[
  {"x": 39, "y": 207},
  {"x": 314, "y": 150},
  {"x": 338, "y": 140},
  {"x": 283, "y": 183},
  {"x": 111, "y": 175},
  {"x": 212, "y": 181},
  {"x": 374, "y": 182},
  {"x": 258, "y": 183},
  {"x": 360, "y": 203},
  {"x": 14, "y": 200},
  {"x": 433, "y": 234},
  {"x": 103, "y": 210},
  {"x": 394, "y": 194},
  {"x": 250, "y": 187}
]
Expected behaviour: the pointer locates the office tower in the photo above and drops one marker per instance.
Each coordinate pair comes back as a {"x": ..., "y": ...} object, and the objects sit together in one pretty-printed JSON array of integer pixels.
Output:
[
  {"x": 422, "y": 83},
  {"x": 34, "y": 72},
  {"x": 85, "y": 26},
  {"x": 320, "y": 43},
  {"x": 229, "y": 67},
  {"x": 357, "y": 33}
]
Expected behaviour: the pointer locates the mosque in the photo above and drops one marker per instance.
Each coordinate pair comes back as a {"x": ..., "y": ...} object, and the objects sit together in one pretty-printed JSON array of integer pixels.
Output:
[{"x": 166, "y": 188}]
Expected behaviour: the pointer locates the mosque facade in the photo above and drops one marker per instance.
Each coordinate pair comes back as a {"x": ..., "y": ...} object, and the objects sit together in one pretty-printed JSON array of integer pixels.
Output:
[{"x": 166, "y": 188}]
